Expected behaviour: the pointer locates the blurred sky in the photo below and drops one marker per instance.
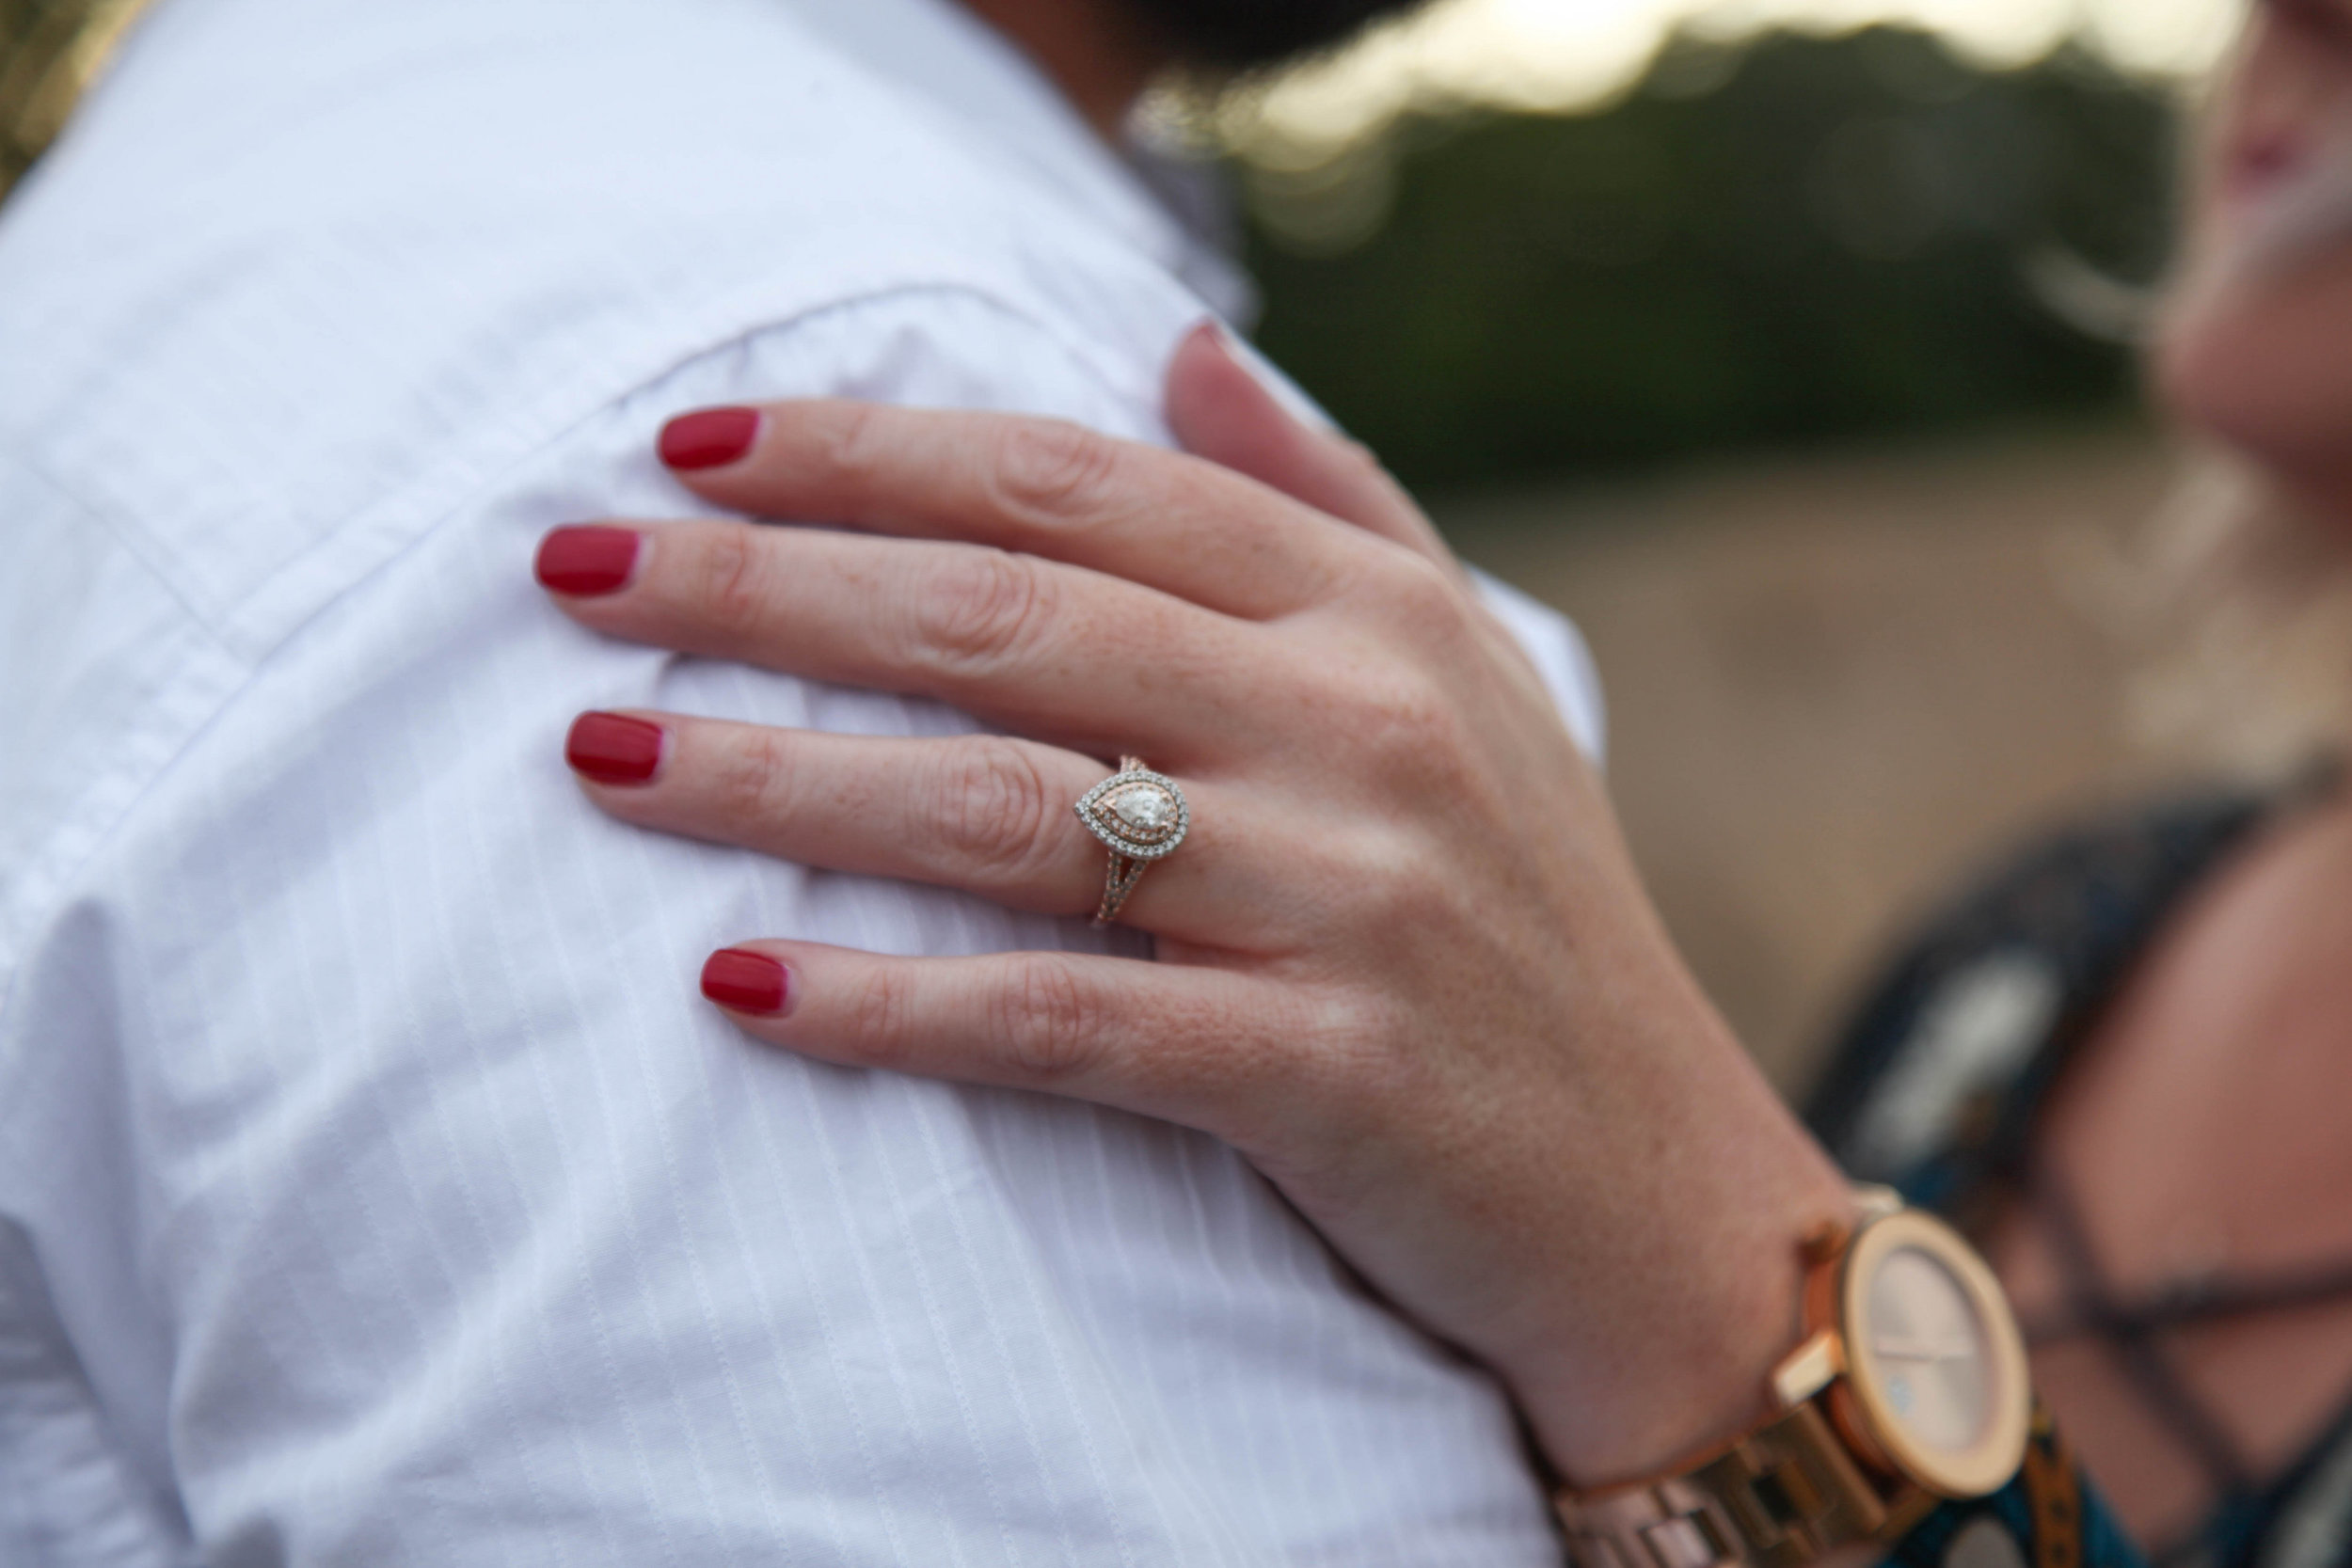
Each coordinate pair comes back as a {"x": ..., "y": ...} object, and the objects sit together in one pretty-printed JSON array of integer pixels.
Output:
[{"x": 1564, "y": 54}]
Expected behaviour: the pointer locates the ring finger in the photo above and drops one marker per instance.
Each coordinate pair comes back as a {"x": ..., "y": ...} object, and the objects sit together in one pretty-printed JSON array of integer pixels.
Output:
[{"x": 987, "y": 814}]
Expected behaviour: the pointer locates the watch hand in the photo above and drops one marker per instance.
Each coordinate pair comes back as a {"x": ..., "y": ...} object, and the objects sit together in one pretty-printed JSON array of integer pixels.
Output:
[{"x": 1922, "y": 1350}]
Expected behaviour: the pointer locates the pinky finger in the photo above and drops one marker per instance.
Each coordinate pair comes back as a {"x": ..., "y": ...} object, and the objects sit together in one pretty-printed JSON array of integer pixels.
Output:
[{"x": 1185, "y": 1045}]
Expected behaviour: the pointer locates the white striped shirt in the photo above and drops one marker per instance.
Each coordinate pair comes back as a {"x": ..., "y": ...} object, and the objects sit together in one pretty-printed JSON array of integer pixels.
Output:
[{"x": 374, "y": 1188}]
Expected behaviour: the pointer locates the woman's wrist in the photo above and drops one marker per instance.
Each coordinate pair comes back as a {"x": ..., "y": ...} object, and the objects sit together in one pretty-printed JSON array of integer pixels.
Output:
[
  {"x": 1706, "y": 1382},
  {"x": 1675, "y": 1353}
]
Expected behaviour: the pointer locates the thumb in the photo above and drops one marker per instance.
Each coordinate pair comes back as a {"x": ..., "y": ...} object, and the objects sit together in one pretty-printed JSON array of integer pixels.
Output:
[{"x": 1221, "y": 411}]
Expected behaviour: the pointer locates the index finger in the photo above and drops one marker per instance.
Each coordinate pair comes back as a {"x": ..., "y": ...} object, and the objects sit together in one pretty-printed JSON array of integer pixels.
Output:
[
  {"x": 1044, "y": 487},
  {"x": 1220, "y": 410}
]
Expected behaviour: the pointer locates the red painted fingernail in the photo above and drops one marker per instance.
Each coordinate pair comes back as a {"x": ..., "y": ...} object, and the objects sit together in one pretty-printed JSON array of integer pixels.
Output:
[
  {"x": 745, "y": 982},
  {"x": 586, "y": 560},
  {"x": 1211, "y": 331},
  {"x": 708, "y": 439},
  {"x": 613, "y": 748}
]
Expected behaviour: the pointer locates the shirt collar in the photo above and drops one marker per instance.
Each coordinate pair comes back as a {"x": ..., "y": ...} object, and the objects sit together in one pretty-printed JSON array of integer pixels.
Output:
[{"x": 942, "y": 53}]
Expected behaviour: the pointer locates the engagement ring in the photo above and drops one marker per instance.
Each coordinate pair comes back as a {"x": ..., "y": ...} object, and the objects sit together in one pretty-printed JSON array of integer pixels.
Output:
[{"x": 1141, "y": 816}]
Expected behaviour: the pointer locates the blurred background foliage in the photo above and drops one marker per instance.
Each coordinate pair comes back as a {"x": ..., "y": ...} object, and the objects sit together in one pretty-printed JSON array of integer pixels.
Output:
[
  {"x": 1790, "y": 238},
  {"x": 1798, "y": 239},
  {"x": 48, "y": 50}
]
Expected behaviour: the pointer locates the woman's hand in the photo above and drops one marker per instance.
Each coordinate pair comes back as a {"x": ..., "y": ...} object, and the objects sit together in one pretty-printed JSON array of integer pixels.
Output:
[{"x": 1405, "y": 966}]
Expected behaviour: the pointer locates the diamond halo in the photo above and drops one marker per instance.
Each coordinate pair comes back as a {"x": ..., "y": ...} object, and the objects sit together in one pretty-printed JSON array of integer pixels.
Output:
[{"x": 1136, "y": 813}]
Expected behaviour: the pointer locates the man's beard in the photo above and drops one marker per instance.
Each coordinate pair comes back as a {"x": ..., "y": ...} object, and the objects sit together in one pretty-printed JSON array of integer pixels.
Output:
[{"x": 1241, "y": 34}]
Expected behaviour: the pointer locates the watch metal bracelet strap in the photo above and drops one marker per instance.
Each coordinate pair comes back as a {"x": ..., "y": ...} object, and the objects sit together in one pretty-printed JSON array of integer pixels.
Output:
[
  {"x": 1909, "y": 1386},
  {"x": 1778, "y": 1497}
]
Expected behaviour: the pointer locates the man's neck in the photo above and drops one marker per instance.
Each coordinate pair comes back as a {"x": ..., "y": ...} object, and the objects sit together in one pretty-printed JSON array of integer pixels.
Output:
[{"x": 1098, "y": 54}]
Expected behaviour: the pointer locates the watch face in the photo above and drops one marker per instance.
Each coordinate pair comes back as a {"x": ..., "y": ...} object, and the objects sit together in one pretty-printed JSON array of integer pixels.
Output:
[
  {"x": 1933, "y": 1356},
  {"x": 1927, "y": 1348}
]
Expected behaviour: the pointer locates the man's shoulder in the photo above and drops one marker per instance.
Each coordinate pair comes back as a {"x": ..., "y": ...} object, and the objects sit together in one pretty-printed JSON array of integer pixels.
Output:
[
  {"x": 290, "y": 327},
  {"x": 460, "y": 231}
]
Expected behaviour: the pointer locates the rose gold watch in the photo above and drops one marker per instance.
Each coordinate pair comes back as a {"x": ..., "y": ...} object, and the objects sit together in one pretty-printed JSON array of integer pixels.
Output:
[{"x": 1910, "y": 1387}]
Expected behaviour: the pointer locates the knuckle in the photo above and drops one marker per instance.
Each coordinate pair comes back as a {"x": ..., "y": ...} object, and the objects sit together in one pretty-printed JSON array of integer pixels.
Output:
[
  {"x": 877, "y": 1009},
  {"x": 995, "y": 807},
  {"x": 1425, "y": 597},
  {"x": 1405, "y": 732},
  {"x": 752, "y": 777},
  {"x": 981, "y": 611},
  {"x": 1052, "y": 1021},
  {"x": 731, "y": 582},
  {"x": 1407, "y": 717},
  {"x": 1053, "y": 467},
  {"x": 1390, "y": 878},
  {"x": 1400, "y": 897},
  {"x": 852, "y": 445},
  {"x": 1356, "y": 1035}
]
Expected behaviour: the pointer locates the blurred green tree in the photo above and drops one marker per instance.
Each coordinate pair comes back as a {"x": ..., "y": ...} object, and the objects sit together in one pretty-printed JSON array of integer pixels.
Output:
[
  {"x": 1804, "y": 240},
  {"x": 1800, "y": 239}
]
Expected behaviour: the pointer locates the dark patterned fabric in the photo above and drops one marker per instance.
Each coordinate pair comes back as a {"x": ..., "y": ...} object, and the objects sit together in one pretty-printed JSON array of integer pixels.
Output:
[
  {"x": 2032, "y": 956},
  {"x": 1935, "y": 1086},
  {"x": 2049, "y": 1517}
]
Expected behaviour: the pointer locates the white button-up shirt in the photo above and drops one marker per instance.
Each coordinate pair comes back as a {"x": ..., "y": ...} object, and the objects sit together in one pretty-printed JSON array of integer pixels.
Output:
[{"x": 374, "y": 1187}]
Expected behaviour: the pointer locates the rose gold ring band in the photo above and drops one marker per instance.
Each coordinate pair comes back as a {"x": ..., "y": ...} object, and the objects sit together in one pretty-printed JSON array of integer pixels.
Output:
[{"x": 1141, "y": 816}]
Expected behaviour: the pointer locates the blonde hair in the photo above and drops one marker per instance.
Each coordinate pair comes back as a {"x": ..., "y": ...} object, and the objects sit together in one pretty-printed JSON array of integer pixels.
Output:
[
  {"x": 2246, "y": 597},
  {"x": 2243, "y": 607}
]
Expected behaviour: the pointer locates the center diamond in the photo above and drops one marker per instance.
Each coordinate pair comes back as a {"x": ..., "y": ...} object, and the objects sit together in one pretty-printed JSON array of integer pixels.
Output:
[{"x": 1147, "y": 809}]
